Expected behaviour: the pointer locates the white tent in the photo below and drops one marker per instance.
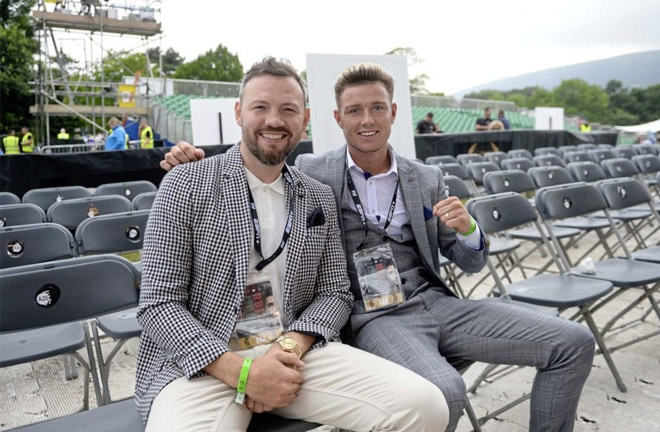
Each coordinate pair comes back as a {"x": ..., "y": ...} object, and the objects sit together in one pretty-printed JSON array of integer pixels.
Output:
[{"x": 653, "y": 126}]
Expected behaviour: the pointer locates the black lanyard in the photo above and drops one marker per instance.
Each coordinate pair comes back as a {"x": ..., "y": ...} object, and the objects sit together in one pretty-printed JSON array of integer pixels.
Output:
[
  {"x": 287, "y": 228},
  {"x": 360, "y": 208}
]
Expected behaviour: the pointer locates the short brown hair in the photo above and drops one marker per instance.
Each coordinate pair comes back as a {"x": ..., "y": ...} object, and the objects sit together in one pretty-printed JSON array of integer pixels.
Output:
[
  {"x": 363, "y": 73},
  {"x": 272, "y": 66}
]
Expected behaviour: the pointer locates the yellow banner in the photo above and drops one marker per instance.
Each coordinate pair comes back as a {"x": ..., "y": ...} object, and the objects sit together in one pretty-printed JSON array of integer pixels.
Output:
[{"x": 127, "y": 95}]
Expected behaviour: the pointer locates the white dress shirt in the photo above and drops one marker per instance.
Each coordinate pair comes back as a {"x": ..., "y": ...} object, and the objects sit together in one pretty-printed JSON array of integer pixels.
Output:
[
  {"x": 376, "y": 192},
  {"x": 270, "y": 200}
]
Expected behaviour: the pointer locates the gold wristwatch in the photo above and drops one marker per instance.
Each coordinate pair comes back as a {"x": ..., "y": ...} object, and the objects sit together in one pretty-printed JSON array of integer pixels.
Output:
[{"x": 290, "y": 345}]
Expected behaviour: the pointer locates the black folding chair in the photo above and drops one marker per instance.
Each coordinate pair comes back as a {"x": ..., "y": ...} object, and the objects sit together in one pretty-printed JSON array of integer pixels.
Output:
[
  {"x": 520, "y": 153},
  {"x": 9, "y": 198},
  {"x": 540, "y": 151},
  {"x": 496, "y": 157},
  {"x": 437, "y": 160},
  {"x": 522, "y": 164},
  {"x": 45, "y": 197},
  {"x": 144, "y": 201},
  {"x": 71, "y": 213},
  {"x": 21, "y": 214}
]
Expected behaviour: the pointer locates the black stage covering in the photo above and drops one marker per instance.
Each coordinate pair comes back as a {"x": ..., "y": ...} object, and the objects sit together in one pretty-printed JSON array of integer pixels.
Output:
[
  {"x": 20, "y": 173},
  {"x": 455, "y": 144}
]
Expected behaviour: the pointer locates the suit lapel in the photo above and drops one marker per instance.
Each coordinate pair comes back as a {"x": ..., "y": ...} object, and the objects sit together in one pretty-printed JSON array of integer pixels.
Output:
[
  {"x": 412, "y": 197},
  {"x": 235, "y": 200},
  {"x": 295, "y": 245}
]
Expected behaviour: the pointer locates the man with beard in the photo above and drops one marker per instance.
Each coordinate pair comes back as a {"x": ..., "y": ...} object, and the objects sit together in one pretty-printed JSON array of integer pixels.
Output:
[
  {"x": 385, "y": 199},
  {"x": 245, "y": 289}
]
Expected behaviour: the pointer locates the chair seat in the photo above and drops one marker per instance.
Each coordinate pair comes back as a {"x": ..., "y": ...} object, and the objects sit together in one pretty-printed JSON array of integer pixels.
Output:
[
  {"x": 624, "y": 273},
  {"x": 500, "y": 245},
  {"x": 651, "y": 254},
  {"x": 31, "y": 345},
  {"x": 533, "y": 234},
  {"x": 626, "y": 215},
  {"x": 120, "y": 325},
  {"x": 558, "y": 291},
  {"x": 583, "y": 223}
]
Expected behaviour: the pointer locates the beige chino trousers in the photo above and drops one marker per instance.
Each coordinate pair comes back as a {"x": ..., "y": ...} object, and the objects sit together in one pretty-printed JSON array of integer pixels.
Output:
[{"x": 344, "y": 387}]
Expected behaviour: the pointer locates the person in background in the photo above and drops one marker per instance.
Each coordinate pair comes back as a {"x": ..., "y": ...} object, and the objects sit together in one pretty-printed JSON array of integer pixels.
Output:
[
  {"x": 27, "y": 143},
  {"x": 10, "y": 143},
  {"x": 62, "y": 136},
  {"x": 483, "y": 122},
  {"x": 426, "y": 125},
  {"x": 146, "y": 135},
  {"x": 117, "y": 139},
  {"x": 502, "y": 118}
]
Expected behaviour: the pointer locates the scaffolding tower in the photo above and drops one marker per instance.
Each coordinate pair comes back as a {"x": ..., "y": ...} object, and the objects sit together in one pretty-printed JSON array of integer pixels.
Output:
[{"x": 92, "y": 22}]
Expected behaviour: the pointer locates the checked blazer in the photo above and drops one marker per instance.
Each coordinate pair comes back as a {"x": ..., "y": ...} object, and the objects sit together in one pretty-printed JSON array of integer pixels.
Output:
[
  {"x": 196, "y": 254},
  {"x": 422, "y": 187}
]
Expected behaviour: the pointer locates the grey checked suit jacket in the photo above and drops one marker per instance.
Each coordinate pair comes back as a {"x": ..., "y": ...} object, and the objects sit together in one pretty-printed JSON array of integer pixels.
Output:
[
  {"x": 422, "y": 187},
  {"x": 196, "y": 253}
]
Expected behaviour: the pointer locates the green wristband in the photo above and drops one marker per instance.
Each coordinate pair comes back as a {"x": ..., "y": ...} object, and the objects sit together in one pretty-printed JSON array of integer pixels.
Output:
[
  {"x": 473, "y": 226},
  {"x": 242, "y": 381}
]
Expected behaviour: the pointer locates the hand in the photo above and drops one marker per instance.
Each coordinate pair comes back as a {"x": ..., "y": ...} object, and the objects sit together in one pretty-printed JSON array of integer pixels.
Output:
[
  {"x": 274, "y": 379},
  {"x": 256, "y": 407},
  {"x": 183, "y": 152},
  {"x": 452, "y": 213}
]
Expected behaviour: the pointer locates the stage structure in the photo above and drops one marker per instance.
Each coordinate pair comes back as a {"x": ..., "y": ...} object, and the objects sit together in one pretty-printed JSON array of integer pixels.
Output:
[{"x": 88, "y": 23}]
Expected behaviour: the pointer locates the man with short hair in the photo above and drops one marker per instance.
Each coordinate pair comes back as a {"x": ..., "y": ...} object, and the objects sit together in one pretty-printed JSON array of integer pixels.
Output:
[
  {"x": 388, "y": 202},
  {"x": 118, "y": 138},
  {"x": 10, "y": 143},
  {"x": 27, "y": 142},
  {"x": 239, "y": 250},
  {"x": 426, "y": 125},
  {"x": 483, "y": 122},
  {"x": 146, "y": 135}
]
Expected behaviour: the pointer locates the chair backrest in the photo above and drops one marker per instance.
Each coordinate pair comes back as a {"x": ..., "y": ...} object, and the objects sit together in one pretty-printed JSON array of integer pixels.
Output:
[
  {"x": 600, "y": 155},
  {"x": 70, "y": 213},
  {"x": 9, "y": 198},
  {"x": 625, "y": 151},
  {"x": 51, "y": 293},
  {"x": 587, "y": 146},
  {"x": 112, "y": 233},
  {"x": 125, "y": 189},
  {"x": 508, "y": 181},
  {"x": 20, "y": 214},
  {"x": 578, "y": 156},
  {"x": 587, "y": 171},
  {"x": 466, "y": 159},
  {"x": 619, "y": 167},
  {"x": 29, "y": 244},
  {"x": 496, "y": 157},
  {"x": 550, "y": 176},
  {"x": 478, "y": 169},
  {"x": 569, "y": 200},
  {"x": 501, "y": 212},
  {"x": 46, "y": 197},
  {"x": 457, "y": 187},
  {"x": 522, "y": 164},
  {"x": 443, "y": 159},
  {"x": 549, "y": 160},
  {"x": 457, "y": 170},
  {"x": 646, "y": 149},
  {"x": 605, "y": 146},
  {"x": 520, "y": 153},
  {"x": 623, "y": 192},
  {"x": 540, "y": 151},
  {"x": 144, "y": 201},
  {"x": 564, "y": 150},
  {"x": 647, "y": 163}
]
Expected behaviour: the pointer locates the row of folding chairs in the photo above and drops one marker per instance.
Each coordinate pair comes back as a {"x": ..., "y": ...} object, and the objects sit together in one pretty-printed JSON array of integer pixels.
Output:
[
  {"x": 46, "y": 197},
  {"x": 72, "y": 212}
]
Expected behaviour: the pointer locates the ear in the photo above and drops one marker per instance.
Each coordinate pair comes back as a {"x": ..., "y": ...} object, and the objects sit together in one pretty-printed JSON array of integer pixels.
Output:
[
  {"x": 338, "y": 118},
  {"x": 237, "y": 113},
  {"x": 394, "y": 108},
  {"x": 306, "y": 122}
]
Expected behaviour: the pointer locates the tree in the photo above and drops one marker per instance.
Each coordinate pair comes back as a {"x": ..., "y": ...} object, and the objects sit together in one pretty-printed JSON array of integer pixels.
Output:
[
  {"x": 118, "y": 64},
  {"x": 417, "y": 82},
  {"x": 580, "y": 98},
  {"x": 171, "y": 59},
  {"x": 17, "y": 48},
  {"x": 214, "y": 65}
]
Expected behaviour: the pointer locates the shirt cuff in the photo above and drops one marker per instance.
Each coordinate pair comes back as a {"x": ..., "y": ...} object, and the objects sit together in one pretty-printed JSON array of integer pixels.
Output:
[{"x": 473, "y": 240}]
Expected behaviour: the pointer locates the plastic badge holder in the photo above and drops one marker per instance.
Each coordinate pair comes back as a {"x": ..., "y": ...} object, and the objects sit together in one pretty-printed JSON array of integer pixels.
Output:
[
  {"x": 379, "y": 278},
  {"x": 258, "y": 322}
]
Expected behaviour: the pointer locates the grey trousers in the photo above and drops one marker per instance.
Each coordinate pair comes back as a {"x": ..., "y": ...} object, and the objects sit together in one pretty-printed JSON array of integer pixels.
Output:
[{"x": 433, "y": 326}]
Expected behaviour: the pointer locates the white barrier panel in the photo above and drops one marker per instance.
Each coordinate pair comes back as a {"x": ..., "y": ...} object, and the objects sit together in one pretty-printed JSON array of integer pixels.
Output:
[{"x": 205, "y": 115}]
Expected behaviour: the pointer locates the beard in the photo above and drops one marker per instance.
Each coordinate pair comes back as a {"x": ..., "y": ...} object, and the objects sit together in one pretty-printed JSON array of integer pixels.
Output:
[{"x": 270, "y": 157}]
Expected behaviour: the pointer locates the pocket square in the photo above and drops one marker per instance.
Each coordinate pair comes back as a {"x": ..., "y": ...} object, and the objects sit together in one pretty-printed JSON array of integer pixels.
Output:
[
  {"x": 315, "y": 218},
  {"x": 428, "y": 213}
]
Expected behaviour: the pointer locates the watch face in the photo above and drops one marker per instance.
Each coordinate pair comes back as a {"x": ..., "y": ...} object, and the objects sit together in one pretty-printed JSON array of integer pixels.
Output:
[{"x": 288, "y": 344}]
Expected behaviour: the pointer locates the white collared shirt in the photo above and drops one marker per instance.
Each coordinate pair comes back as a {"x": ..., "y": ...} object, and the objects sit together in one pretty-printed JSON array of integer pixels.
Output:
[
  {"x": 376, "y": 192},
  {"x": 270, "y": 200}
]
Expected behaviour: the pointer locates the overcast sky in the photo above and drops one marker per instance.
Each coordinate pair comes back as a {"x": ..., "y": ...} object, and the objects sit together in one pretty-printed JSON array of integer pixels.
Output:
[{"x": 462, "y": 44}]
